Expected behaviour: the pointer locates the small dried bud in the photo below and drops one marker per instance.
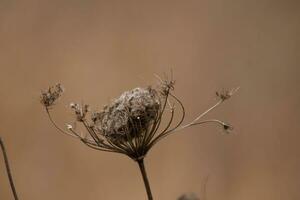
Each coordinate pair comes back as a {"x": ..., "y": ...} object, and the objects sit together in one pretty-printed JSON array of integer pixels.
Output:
[
  {"x": 226, "y": 94},
  {"x": 190, "y": 196},
  {"x": 69, "y": 127},
  {"x": 80, "y": 110},
  {"x": 49, "y": 97},
  {"x": 129, "y": 115},
  {"x": 227, "y": 128},
  {"x": 166, "y": 86}
]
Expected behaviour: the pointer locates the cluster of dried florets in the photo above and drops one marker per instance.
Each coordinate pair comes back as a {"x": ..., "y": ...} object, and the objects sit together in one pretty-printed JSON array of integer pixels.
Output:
[
  {"x": 131, "y": 124},
  {"x": 49, "y": 96},
  {"x": 226, "y": 94},
  {"x": 129, "y": 116}
]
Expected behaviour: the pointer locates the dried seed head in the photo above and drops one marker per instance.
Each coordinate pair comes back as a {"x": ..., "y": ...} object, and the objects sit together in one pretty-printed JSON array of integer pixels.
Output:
[
  {"x": 49, "y": 97},
  {"x": 129, "y": 115},
  {"x": 226, "y": 94}
]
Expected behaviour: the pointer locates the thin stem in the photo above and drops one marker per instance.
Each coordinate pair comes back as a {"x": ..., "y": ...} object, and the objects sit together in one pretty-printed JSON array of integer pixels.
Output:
[
  {"x": 56, "y": 126},
  {"x": 178, "y": 127},
  {"x": 11, "y": 182},
  {"x": 202, "y": 115},
  {"x": 209, "y": 121},
  {"x": 145, "y": 178}
]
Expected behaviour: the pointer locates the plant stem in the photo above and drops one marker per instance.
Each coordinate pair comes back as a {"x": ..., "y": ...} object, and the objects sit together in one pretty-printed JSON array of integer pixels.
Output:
[
  {"x": 8, "y": 170},
  {"x": 145, "y": 178}
]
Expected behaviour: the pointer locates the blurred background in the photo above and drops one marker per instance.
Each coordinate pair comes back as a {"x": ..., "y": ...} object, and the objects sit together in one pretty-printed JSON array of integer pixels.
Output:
[{"x": 98, "y": 49}]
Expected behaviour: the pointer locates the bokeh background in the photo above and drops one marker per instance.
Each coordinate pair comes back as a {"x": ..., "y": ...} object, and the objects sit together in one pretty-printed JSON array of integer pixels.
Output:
[{"x": 98, "y": 49}]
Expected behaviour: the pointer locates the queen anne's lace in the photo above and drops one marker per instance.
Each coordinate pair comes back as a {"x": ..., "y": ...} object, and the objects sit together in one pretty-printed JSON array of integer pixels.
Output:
[{"x": 131, "y": 124}]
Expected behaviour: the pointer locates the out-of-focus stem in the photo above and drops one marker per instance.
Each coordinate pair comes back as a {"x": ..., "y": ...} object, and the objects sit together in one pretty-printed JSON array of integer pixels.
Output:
[
  {"x": 11, "y": 182},
  {"x": 145, "y": 178}
]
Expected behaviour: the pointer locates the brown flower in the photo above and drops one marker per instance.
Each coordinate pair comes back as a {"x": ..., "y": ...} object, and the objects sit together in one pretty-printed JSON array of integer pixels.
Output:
[{"x": 131, "y": 124}]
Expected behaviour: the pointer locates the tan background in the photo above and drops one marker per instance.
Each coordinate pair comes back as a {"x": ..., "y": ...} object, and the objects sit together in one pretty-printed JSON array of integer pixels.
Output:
[{"x": 97, "y": 49}]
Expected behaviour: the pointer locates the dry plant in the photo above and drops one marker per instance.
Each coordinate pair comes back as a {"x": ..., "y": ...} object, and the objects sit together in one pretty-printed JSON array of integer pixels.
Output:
[{"x": 132, "y": 124}]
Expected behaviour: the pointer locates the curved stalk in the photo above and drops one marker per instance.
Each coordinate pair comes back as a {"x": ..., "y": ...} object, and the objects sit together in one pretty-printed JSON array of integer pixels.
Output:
[
  {"x": 56, "y": 126},
  {"x": 11, "y": 182},
  {"x": 178, "y": 127}
]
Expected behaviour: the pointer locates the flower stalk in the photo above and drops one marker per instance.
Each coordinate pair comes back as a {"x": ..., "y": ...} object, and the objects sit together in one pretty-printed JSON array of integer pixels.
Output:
[{"x": 145, "y": 178}]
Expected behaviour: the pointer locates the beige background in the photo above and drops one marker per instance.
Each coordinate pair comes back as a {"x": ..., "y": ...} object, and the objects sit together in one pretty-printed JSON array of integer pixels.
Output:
[{"x": 97, "y": 49}]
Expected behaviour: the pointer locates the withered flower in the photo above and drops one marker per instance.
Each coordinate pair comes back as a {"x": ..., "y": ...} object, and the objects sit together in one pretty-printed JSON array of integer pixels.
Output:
[
  {"x": 131, "y": 124},
  {"x": 129, "y": 116},
  {"x": 226, "y": 94},
  {"x": 50, "y": 96}
]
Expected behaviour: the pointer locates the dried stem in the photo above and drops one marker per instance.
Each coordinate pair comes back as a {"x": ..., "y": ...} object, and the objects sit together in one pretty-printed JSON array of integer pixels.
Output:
[
  {"x": 11, "y": 182},
  {"x": 145, "y": 178},
  {"x": 56, "y": 126}
]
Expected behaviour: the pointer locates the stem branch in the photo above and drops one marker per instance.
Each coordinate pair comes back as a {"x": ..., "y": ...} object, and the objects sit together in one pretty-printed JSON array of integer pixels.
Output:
[{"x": 11, "y": 182}]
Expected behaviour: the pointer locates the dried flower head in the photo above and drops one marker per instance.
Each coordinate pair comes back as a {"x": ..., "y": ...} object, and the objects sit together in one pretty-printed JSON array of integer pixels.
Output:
[
  {"x": 226, "y": 94},
  {"x": 131, "y": 124},
  {"x": 128, "y": 116},
  {"x": 49, "y": 96}
]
